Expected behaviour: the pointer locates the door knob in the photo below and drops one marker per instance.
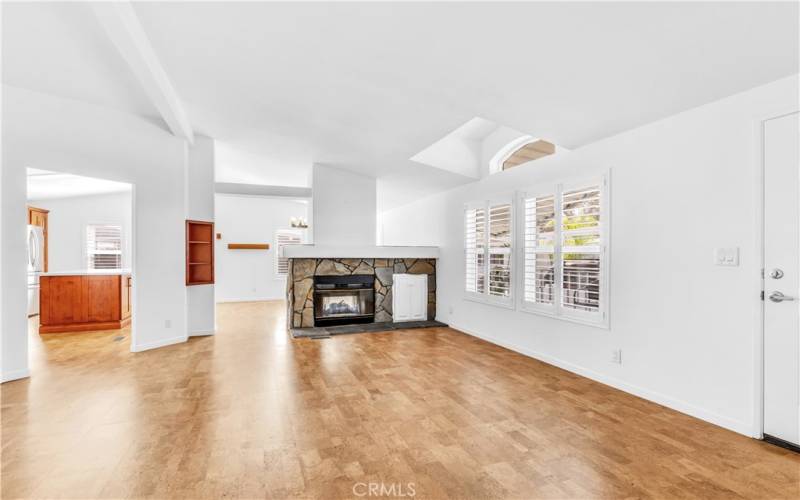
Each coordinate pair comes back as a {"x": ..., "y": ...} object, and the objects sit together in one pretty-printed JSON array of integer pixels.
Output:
[{"x": 779, "y": 297}]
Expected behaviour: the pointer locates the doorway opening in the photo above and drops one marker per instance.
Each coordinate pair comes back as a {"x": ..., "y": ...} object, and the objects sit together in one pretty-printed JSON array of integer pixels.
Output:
[{"x": 79, "y": 263}]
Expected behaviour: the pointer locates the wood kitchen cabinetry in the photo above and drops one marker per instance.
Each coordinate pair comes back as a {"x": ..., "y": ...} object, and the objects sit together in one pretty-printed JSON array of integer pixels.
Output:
[
  {"x": 76, "y": 303},
  {"x": 38, "y": 217}
]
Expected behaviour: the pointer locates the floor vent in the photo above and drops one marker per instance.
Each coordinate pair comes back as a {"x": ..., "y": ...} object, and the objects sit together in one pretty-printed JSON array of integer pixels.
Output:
[{"x": 119, "y": 339}]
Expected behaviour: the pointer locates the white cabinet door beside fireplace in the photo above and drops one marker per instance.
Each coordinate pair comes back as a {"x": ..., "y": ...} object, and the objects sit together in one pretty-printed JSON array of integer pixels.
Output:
[{"x": 409, "y": 297}]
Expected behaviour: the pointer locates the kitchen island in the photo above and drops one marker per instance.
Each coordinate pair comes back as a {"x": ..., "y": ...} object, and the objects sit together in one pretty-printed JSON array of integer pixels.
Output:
[{"x": 84, "y": 301}]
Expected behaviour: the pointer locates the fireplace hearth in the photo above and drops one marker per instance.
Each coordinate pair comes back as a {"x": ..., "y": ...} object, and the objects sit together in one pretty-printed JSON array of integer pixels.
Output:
[{"x": 342, "y": 300}]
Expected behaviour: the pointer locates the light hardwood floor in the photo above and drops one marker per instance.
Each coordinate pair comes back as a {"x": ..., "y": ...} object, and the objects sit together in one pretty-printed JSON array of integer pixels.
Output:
[{"x": 251, "y": 413}]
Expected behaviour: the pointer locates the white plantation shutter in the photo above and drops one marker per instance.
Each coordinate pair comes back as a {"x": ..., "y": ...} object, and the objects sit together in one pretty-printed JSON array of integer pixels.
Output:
[
  {"x": 581, "y": 240},
  {"x": 282, "y": 238},
  {"x": 500, "y": 250},
  {"x": 488, "y": 251},
  {"x": 539, "y": 249},
  {"x": 564, "y": 254},
  {"x": 474, "y": 250},
  {"x": 104, "y": 246}
]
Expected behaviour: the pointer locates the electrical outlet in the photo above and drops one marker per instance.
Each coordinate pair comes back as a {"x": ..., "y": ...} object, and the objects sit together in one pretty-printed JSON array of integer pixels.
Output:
[
  {"x": 450, "y": 310},
  {"x": 616, "y": 356},
  {"x": 167, "y": 323}
]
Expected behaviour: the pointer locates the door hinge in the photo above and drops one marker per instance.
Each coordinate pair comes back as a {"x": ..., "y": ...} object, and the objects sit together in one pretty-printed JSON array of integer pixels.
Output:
[{"x": 762, "y": 295}]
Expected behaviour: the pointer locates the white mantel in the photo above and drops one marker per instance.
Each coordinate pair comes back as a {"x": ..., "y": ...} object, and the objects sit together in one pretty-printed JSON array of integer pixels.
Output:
[{"x": 358, "y": 252}]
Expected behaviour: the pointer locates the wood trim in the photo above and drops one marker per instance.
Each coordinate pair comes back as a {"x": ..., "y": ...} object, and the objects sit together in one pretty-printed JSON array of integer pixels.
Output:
[{"x": 248, "y": 246}]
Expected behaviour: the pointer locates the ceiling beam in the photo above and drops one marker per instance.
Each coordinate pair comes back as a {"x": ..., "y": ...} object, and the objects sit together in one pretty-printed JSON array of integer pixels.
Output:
[
  {"x": 262, "y": 190},
  {"x": 124, "y": 29}
]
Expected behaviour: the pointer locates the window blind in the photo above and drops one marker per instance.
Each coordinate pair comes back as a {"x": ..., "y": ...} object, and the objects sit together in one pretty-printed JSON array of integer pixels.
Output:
[
  {"x": 500, "y": 250},
  {"x": 581, "y": 239},
  {"x": 539, "y": 249},
  {"x": 282, "y": 239},
  {"x": 104, "y": 246},
  {"x": 564, "y": 251},
  {"x": 474, "y": 241}
]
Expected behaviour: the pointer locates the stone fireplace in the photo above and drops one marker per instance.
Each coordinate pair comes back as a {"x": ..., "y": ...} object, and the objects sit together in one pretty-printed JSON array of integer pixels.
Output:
[{"x": 303, "y": 297}]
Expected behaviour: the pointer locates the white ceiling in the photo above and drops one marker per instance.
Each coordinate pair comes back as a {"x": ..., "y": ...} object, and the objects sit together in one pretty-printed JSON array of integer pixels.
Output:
[
  {"x": 59, "y": 49},
  {"x": 47, "y": 185},
  {"x": 366, "y": 86}
]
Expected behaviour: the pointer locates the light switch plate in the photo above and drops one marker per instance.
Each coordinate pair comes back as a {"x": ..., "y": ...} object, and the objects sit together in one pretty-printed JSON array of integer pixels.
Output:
[{"x": 726, "y": 256}]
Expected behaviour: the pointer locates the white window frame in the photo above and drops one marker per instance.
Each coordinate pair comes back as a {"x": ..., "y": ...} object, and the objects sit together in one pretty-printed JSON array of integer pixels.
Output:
[
  {"x": 600, "y": 318},
  {"x": 483, "y": 296},
  {"x": 294, "y": 232},
  {"x": 85, "y": 241}
]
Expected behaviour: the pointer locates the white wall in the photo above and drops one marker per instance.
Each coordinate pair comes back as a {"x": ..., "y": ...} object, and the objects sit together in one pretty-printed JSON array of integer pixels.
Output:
[
  {"x": 43, "y": 131},
  {"x": 13, "y": 216},
  {"x": 200, "y": 310},
  {"x": 679, "y": 188},
  {"x": 344, "y": 208},
  {"x": 67, "y": 223},
  {"x": 245, "y": 275}
]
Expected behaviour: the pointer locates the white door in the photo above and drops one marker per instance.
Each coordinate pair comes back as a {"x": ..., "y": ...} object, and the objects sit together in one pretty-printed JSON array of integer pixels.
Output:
[{"x": 782, "y": 278}]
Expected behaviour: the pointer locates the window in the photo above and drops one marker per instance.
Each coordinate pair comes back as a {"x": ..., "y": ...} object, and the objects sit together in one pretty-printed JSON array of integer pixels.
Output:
[
  {"x": 500, "y": 250},
  {"x": 519, "y": 151},
  {"x": 284, "y": 237},
  {"x": 564, "y": 254},
  {"x": 529, "y": 152},
  {"x": 103, "y": 246},
  {"x": 539, "y": 249},
  {"x": 475, "y": 229},
  {"x": 488, "y": 251}
]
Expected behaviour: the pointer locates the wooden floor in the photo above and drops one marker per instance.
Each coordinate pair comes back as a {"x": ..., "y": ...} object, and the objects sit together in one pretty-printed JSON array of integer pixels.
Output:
[{"x": 251, "y": 413}]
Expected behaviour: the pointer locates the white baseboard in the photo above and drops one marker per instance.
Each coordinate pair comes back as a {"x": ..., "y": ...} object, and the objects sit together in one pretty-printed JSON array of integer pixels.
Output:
[
  {"x": 15, "y": 375},
  {"x": 250, "y": 299},
  {"x": 157, "y": 344},
  {"x": 202, "y": 333},
  {"x": 656, "y": 397}
]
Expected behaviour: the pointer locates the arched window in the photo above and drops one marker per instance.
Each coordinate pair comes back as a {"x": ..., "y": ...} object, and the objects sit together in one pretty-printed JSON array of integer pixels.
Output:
[{"x": 521, "y": 151}]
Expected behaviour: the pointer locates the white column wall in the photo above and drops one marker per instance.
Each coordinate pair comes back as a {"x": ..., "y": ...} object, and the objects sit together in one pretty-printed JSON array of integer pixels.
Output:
[
  {"x": 344, "y": 208},
  {"x": 201, "y": 312}
]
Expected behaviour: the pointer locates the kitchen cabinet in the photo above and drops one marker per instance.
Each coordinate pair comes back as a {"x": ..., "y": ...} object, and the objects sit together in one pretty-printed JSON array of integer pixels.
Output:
[
  {"x": 410, "y": 297},
  {"x": 38, "y": 217},
  {"x": 83, "y": 302}
]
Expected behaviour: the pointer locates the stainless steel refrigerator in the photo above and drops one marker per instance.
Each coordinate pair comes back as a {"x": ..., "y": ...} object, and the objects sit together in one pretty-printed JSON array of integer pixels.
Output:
[{"x": 35, "y": 266}]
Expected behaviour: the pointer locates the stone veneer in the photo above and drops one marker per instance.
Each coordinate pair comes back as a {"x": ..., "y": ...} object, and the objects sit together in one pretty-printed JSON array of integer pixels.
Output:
[{"x": 300, "y": 283}]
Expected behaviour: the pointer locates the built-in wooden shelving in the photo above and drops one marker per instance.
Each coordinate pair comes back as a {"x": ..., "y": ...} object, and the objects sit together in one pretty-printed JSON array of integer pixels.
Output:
[{"x": 199, "y": 252}]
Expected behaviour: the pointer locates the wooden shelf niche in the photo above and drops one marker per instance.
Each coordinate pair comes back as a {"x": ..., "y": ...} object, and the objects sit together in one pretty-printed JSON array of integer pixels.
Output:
[{"x": 199, "y": 253}]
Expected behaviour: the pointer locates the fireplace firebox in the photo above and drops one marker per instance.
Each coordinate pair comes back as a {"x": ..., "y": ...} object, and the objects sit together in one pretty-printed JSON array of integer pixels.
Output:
[{"x": 342, "y": 300}]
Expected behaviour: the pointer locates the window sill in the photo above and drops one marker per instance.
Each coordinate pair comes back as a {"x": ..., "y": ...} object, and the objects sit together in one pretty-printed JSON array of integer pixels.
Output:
[
  {"x": 489, "y": 302},
  {"x": 603, "y": 324}
]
